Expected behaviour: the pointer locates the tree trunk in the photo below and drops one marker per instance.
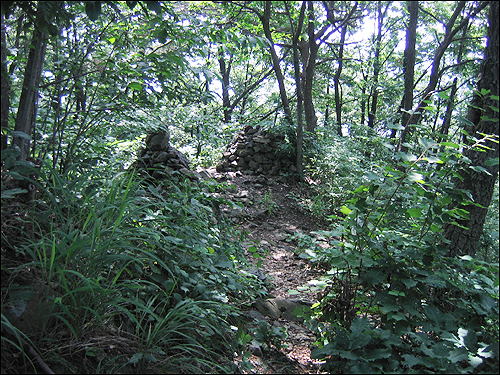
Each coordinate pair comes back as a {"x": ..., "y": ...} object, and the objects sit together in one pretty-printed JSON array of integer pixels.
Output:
[
  {"x": 338, "y": 101},
  {"x": 276, "y": 63},
  {"x": 225, "y": 71},
  {"x": 296, "y": 65},
  {"x": 5, "y": 108},
  {"x": 435, "y": 70},
  {"x": 409, "y": 61},
  {"x": 26, "y": 113},
  {"x": 483, "y": 119},
  {"x": 309, "y": 67},
  {"x": 376, "y": 66},
  {"x": 449, "y": 110}
]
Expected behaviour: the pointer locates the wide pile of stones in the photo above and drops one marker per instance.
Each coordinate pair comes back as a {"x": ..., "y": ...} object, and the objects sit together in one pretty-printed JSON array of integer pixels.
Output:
[
  {"x": 255, "y": 151},
  {"x": 160, "y": 156}
]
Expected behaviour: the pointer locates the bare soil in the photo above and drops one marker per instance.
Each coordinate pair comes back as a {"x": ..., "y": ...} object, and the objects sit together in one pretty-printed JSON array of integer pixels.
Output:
[{"x": 270, "y": 217}]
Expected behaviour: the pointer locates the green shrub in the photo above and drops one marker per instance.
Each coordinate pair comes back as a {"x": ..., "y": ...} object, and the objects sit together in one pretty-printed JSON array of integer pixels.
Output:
[{"x": 393, "y": 300}]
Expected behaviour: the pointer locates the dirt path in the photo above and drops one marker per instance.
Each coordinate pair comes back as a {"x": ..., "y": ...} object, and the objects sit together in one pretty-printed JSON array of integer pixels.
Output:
[{"x": 271, "y": 215}]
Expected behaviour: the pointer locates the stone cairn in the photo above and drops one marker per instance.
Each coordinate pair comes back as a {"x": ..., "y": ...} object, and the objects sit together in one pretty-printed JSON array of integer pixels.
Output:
[
  {"x": 255, "y": 151},
  {"x": 162, "y": 157}
]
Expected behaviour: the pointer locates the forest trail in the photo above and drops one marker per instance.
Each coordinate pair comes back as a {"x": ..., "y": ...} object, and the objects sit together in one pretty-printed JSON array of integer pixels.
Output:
[{"x": 270, "y": 216}]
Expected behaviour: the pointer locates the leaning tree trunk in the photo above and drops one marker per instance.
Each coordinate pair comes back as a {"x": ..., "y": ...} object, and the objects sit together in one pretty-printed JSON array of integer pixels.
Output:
[
  {"x": 26, "y": 112},
  {"x": 483, "y": 117},
  {"x": 264, "y": 19}
]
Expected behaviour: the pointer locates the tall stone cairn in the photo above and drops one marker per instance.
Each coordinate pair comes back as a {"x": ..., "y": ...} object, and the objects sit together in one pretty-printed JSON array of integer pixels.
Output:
[
  {"x": 255, "y": 151},
  {"x": 160, "y": 156}
]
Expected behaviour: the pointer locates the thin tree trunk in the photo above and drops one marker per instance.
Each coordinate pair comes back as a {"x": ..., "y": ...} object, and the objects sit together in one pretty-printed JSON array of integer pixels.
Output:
[
  {"x": 5, "y": 106},
  {"x": 435, "y": 70},
  {"x": 449, "y": 110},
  {"x": 338, "y": 101},
  {"x": 483, "y": 119},
  {"x": 376, "y": 65},
  {"x": 26, "y": 112},
  {"x": 409, "y": 62}
]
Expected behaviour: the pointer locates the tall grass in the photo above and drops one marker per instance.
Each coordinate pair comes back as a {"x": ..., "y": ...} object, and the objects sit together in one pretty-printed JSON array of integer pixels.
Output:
[{"x": 132, "y": 277}]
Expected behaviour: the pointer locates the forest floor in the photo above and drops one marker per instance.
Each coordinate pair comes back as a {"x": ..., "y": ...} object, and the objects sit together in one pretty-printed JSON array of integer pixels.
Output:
[{"x": 272, "y": 214}]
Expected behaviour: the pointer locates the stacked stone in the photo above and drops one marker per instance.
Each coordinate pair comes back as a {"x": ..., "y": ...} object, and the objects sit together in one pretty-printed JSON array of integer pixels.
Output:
[
  {"x": 161, "y": 156},
  {"x": 254, "y": 151}
]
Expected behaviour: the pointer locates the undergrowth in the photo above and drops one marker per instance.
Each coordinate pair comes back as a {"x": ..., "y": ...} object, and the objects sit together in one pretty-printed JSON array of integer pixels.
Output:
[
  {"x": 393, "y": 300},
  {"x": 118, "y": 274}
]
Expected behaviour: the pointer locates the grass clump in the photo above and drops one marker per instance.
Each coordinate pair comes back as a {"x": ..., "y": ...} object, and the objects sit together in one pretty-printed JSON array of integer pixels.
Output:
[{"x": 120, "y": 275}]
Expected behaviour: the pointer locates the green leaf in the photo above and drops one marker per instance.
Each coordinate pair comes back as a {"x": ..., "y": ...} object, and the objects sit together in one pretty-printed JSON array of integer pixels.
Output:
[
  {"x": 93, "y": 9},
  {"x": 443, "y": 95},
  {"x": 396, "y": 293},
  {"x": 345, "y": 210},
  {"x": 135, "y": 85},
  {"x": 19, "y": 134},
  {"x": 449, "y": 144},
  {"x": 414, "y": 212},
  {"x": 427, "y": 143},
  {"x": 480, "y": 169},
  {"x": 396, "y": 126},
  {"x": 325, "y": 351},
  {"x": 490, "y": 162}
]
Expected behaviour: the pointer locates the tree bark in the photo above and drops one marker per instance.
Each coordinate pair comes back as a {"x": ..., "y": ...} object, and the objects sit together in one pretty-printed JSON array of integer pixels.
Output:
[
  {"x": 483, "y": 119},
  {"x": 264, "y": 18},
  {"x": 435, "y": 70},
  {"x": 300, "y": 99},
  {"x": 376, "y": 65},
  {"x": 5, "y": 106},
  {"x": 309, "y": 68},
  {"x": 409, "y": 61},
  {"x": 225, "y": 71},
  {"x": 338, "y": 101},
  {"x": 26, "y": 113}
]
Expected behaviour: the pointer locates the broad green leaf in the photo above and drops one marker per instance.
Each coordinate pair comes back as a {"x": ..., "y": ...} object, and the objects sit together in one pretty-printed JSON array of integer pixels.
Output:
[
  {"x": 491, "y": 162},
  {"x": 407, "y": 156},
  {"x": 135, "y": 85},
  {"x": 443, "y": 95},
  {"x": 345, "y": 210},
  {"x": 480, "y": 169},
  {"x": 396, "y": 126},
  {"x": 325, "y": 351},
  {"x": 16, "y": 133},
  {"x": 449, "y": 144},
  {"x": 414, "y": 212},
  {"x": 396, "y": 293},
  {"x": 433, "y": 159},
  {"x": 427, "y": 143}
]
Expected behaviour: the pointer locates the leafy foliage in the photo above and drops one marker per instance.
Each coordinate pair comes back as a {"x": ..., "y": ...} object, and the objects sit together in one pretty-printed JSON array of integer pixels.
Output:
[
  {"x": 394, "y": 301},
  {"x": 148, "y": 261}
]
